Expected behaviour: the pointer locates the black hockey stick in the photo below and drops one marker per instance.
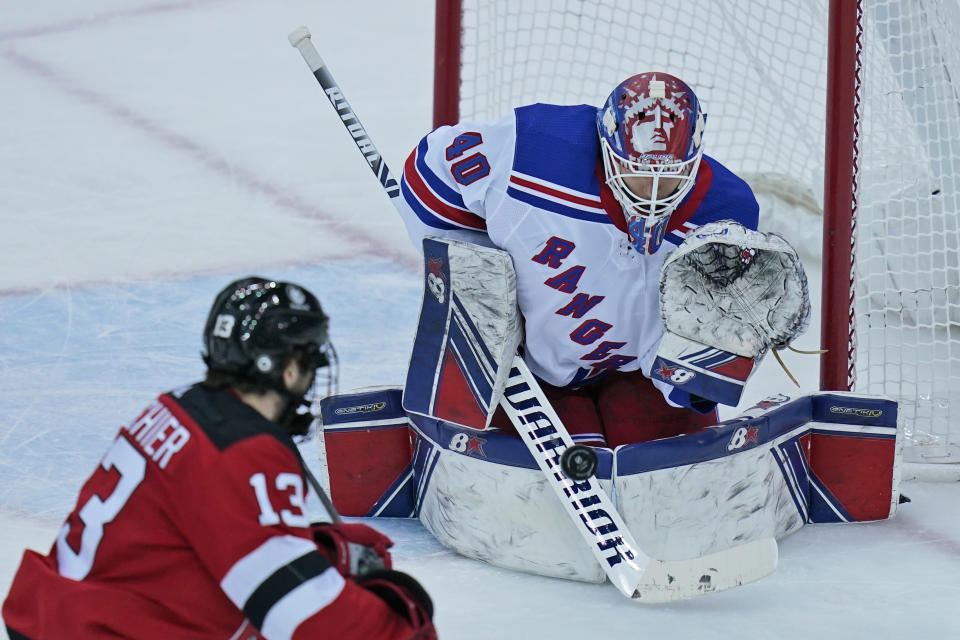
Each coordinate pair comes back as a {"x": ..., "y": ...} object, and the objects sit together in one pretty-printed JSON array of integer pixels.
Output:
[
  {"x": 300, "y": 38},
  {"x": 317, "y": 488},
  {"x": 367, "y": 559},
  {"x": 589, "y": 507}
]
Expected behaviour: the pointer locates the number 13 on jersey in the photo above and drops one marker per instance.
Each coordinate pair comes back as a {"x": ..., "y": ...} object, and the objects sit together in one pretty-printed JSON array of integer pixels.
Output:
[{"x": 290, "y": 485}]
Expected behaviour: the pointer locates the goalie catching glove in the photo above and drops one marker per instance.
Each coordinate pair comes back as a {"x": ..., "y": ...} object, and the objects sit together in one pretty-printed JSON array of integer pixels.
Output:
[
  {"x": 354, "y": 549},
  {"x": 735, "y": 289}
]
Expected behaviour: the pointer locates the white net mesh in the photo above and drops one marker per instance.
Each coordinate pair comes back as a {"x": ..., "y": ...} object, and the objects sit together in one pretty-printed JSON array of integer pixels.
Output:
[
  {"x": 759, "y": 69},
  {"x": 908, "y": 286}
]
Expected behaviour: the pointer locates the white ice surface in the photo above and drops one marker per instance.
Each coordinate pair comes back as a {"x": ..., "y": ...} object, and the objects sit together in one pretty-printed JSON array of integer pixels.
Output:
[{"x": 151, "y": 151}]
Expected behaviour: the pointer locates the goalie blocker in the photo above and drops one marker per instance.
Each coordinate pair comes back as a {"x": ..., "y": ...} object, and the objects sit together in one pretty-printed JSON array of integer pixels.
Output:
[{"x": 787, "y": 462}]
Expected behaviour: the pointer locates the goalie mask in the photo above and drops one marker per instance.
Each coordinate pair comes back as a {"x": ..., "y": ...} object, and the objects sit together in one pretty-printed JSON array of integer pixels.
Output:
[
  {"x": 255, "y": 325},
  {"x": 651, "y": 130}
]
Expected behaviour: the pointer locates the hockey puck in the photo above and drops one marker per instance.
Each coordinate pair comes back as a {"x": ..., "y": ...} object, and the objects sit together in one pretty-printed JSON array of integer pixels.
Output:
[{"x": 578, "y": 462}]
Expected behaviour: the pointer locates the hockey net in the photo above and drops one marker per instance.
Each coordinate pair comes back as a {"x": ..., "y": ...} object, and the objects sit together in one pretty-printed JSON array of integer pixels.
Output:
[{"x": 761, "y": 69}]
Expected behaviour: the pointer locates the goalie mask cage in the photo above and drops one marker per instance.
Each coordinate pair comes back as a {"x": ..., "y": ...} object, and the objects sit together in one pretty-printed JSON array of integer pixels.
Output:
[{"x": 878, "y": 80}]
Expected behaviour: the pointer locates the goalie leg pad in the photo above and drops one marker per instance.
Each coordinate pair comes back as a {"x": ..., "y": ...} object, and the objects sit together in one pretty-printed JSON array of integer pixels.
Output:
[
  {"x": 856, "y": 449},
  {"x": 368, "y": 445},
  {"x": 482, "y": 495},
  {"x": 827, "y": 457}
]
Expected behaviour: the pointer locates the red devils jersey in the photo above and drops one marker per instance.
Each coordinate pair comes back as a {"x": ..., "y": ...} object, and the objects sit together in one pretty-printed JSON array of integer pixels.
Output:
[{"x": 193, "y": 526}]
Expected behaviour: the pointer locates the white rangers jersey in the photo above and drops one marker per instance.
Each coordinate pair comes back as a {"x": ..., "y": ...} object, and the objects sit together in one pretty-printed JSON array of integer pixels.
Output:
[{"x": 532, "y": 184}]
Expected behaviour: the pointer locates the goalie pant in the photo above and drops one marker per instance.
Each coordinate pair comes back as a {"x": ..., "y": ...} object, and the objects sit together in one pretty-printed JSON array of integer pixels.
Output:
[
  {"x": 192, "y": 526},
  {"x": 619, "y": 409}
]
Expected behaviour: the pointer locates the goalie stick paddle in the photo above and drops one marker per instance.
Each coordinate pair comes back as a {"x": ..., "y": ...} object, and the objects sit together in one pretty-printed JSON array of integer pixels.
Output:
[{"x": 591, "y": 510}]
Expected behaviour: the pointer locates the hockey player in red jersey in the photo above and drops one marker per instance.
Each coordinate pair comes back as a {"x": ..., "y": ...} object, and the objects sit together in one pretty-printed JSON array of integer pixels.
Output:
[
  {"x": 194, "y": 523},
  {"x": 589, "y": 202}
]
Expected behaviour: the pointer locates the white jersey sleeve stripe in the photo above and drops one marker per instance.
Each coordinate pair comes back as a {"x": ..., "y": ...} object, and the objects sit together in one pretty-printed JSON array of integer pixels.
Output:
[
  {"x": 427, "y": 188},
  {"x": 418, "y": 160},
  {"x": 301, "y": 603},
  {"x": 554, "y": 196},
  {"x": 253, "y": 569},
  {"x": 588, "y": 199},
  {"x": 429, "y": 216}
]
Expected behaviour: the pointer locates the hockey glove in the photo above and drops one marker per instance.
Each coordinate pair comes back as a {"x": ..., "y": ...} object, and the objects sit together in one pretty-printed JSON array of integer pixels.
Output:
[
  {"x": 406, "y": 596},
  {"x": 735, "y": 289},
  {"x": 353, "y": 548}
]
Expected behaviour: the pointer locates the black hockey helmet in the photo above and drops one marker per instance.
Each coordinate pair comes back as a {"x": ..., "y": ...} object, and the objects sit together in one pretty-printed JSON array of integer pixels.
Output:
[{"x": 254, "y": 325}]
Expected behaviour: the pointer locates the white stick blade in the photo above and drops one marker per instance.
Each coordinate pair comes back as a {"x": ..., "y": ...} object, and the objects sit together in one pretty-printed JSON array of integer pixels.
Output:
[{"x": 666, "y": 581}]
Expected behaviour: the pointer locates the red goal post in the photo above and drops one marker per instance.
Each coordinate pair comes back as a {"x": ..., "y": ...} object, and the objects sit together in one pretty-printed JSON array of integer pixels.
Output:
[{"x": 843, "y": 116}]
